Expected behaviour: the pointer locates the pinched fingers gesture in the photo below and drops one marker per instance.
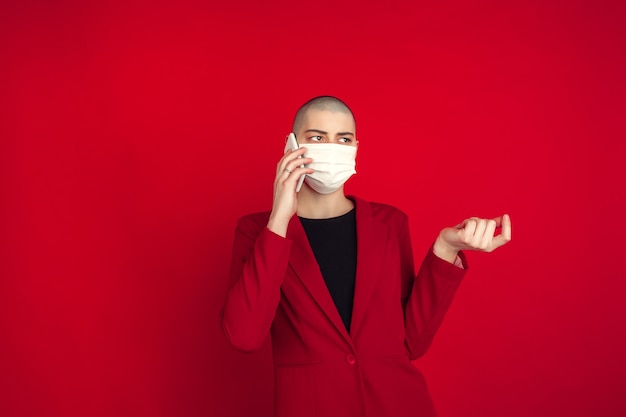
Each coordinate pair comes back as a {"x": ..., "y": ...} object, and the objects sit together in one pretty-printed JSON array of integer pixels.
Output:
[{"x": 478, "y": 234}]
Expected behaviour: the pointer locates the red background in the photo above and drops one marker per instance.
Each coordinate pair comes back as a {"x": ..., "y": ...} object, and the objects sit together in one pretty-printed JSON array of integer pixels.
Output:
[{"x": 133, "y": 135}]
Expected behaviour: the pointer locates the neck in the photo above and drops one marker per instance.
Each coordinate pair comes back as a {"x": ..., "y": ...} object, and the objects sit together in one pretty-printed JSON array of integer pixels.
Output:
[{"x": 313, "y": 205}]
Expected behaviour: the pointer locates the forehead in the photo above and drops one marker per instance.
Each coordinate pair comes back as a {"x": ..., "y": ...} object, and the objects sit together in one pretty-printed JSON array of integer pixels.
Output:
[{"x": 328, "y": 121}]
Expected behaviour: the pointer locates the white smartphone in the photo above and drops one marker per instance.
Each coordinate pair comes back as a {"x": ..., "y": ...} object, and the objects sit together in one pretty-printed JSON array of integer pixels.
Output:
[{"x": 292, "y": 143}]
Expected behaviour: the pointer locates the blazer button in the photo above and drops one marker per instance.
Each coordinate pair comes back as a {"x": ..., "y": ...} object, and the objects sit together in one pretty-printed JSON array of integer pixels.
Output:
[{"x": 350, "y": 359}]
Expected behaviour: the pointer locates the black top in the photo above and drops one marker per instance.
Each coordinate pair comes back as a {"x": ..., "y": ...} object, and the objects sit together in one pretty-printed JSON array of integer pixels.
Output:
[{"x": 334, "y": 244}]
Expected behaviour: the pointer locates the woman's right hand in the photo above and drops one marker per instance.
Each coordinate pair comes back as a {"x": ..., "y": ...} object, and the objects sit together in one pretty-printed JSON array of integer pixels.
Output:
[{"x": 285, "y": 204}]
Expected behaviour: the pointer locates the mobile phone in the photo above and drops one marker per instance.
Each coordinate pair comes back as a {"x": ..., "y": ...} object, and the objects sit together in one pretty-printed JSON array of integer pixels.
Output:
[{"x": 292, "y": 143}]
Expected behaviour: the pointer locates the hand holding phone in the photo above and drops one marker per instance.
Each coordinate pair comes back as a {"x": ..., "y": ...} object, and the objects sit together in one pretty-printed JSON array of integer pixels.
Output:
[{"x": 292, "y": 144}]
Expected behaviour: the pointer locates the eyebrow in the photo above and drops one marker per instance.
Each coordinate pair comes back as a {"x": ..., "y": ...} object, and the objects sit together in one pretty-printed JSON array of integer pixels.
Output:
[{"x": 326, "y": 133}]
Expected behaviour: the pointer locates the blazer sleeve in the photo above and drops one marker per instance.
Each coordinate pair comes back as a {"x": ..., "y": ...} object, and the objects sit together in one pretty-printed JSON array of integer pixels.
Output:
[
  {"x": 258, "y": 266},
  {"x": 426, "y": 296}
]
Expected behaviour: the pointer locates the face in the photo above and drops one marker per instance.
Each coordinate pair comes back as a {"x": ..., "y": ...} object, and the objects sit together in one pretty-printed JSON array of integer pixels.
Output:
[{"x": 321, "y": 126}]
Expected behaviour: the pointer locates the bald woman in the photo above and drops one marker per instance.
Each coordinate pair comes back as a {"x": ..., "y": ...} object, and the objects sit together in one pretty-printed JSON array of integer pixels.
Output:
[{"x": 331, "y": 279}]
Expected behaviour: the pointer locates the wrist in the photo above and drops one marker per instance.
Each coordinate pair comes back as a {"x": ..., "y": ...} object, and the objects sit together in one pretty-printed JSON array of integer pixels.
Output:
[
  {"x": 277, "y": 226},
  {"x": 444, "y": 251}
]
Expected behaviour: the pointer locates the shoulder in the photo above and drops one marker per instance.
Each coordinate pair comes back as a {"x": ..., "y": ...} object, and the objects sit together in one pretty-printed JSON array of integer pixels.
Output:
[{"x": 253, "y": 223}]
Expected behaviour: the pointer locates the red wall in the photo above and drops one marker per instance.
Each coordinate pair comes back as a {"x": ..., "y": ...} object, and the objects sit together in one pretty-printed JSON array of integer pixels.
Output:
[{"x": 133, "y": 136}]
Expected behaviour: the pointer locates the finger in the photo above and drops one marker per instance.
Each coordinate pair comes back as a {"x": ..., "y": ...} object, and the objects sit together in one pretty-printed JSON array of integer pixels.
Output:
[
  {"x": 291, "y": 181},
  {"x": 506, "y": 227},
  {"x": 479, "y": 232},
  {"x": 485, "y": 242},
  {"x": 468, "y": 231},
  {"x": 288, "y": 157},
  {"x": 505, "y": 236},
  {"x": 296, "y": 153},
  {"x": 301, "y": 171},
  {"x": 283, "y": 175},
  {"x": 298, "y": 163}
]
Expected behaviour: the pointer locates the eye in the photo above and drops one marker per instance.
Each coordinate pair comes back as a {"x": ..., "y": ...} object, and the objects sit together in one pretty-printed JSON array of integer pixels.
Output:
[
  {"x": 316, "y": 138},
  {"x": 345, "y": 140}
]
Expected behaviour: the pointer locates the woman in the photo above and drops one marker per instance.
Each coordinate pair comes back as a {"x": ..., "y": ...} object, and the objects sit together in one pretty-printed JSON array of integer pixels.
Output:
[{"x": 331, "y": 278}]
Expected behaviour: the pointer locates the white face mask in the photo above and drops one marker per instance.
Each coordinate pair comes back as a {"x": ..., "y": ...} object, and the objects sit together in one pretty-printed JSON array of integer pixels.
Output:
[{"x": 333, "y": 164}]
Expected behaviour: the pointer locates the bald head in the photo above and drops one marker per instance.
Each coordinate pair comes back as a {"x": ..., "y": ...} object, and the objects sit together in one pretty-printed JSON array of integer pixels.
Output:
[{"x": 323, "y": 103}]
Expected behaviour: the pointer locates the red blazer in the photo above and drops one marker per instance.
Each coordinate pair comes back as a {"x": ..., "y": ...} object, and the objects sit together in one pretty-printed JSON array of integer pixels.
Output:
[{"x": 321, "y": 370}]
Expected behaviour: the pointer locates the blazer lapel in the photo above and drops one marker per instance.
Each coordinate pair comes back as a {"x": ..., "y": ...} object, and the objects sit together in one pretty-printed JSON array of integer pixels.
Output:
[
  {"x": 371, "y": 242},
  {"x": 303, "y": 262}
]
